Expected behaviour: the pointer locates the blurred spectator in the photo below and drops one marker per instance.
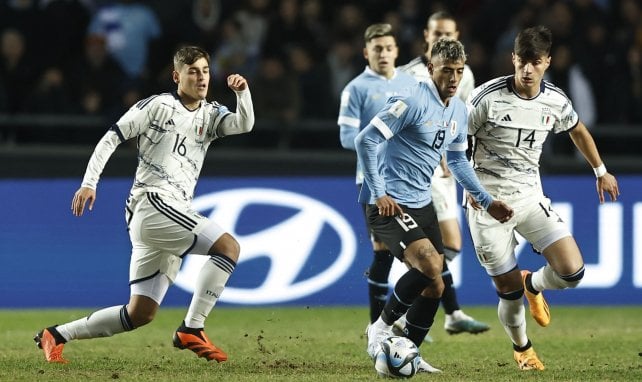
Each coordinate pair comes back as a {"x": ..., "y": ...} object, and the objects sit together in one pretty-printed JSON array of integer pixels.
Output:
[
  {"x": 411, "y": 25},
  {"x": 319, "y": 41},
  {"x": 16, "y": 71},
  {"x": 97, "y": 81},
  {"x": 64, "y": 45},
  {"x": 286, "y": 29},
  {"x": 567, "y": 75},
  {"x": 597, "y": 59},
  {"x": 23, "y": 16},
  {"x": 313, "y": 80},
  {"x": 129, "y": 28},
  {"x": 621, "y": 84},
  {"x": 526, "y": 16},
  {"x": 349, "y": 23},
  {"x": 559, "y": 18},
  {"x": 206, "y": 15},
  {"x": 203, "y": 20},
  {"x": 51, "y": 94},
  {"x": 276, "y": 94},
  {"x": 479, "y": 61},
  {"x": 344, "y": 65},
  {"x": 635, "y": 65},
  {"x": 232, "y": 54},
  {"x": 253, "y": 19},
  {"x": 314, "y": 17}
]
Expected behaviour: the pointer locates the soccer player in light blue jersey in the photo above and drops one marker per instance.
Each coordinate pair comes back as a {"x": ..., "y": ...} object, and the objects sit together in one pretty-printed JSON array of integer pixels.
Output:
[
  {"x": 510, "y": 118},
  {"x": 174, "y": 131},
  {"x": 444, "y": 190},
  {"x": 361, "y": 100},
  {"x": 417, "y": 129}
]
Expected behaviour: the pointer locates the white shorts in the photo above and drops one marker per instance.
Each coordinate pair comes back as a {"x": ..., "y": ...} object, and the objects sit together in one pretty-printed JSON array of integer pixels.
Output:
[
  {"x": 444, "y": 195},
  {"x": 162, "y": 231},
  {"x": 495, "y": 242}
]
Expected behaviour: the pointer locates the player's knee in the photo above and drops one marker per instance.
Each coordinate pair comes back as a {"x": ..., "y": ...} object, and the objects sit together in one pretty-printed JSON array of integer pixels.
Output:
[
  {"x": 140, "y": 317},
  {"x": 428, "y": 261},
  {"x": 228, "y": 246},
  {"x": 572, "y": 280}
]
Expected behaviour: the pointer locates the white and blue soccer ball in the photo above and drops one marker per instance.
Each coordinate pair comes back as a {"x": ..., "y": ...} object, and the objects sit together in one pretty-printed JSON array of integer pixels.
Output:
[{"x": 398, "y": 358}]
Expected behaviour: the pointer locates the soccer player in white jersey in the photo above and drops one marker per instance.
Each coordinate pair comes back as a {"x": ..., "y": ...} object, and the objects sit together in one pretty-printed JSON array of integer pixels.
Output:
[
  {"x": 509, "y": 120},
  {"x": 173, "y": 131},
  {"x": 399, "y": 150},
  {"x": 444, "y": 190},
  {"x": 361, "y": 100}
]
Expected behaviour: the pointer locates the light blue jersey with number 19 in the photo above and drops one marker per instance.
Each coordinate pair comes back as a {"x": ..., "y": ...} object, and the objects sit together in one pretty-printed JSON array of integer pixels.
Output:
[{"x": 417, "y": 130}]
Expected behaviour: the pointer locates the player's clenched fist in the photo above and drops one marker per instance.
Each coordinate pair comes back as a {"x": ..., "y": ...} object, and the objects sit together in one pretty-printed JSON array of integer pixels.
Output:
[{"x": 236, "y": 82}]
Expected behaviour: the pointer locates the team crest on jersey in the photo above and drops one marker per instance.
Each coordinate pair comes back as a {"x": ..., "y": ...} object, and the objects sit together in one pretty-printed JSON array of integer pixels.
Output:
[
  {"x": 547, "y": 117},
  {"x": 398, "y": 108},
  {"x": 198, "y": 124},
  {"x": 453, "y": 127}
]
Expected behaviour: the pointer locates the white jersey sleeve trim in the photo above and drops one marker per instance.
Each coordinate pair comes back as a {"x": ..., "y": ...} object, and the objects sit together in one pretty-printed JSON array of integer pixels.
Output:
[
  {"x": 348, "y": 121},
  {"x": 382, "y": 127}
]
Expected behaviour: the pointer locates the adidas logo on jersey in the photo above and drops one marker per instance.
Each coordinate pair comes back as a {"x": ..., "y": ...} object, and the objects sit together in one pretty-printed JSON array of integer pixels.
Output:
[
  {"x": 170, "y": 122},
  {"x": 506, "y": 118}
]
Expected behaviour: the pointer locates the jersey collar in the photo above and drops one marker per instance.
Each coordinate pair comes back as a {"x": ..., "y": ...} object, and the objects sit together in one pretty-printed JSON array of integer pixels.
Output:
[
  {"x": 433, "y": 89},
  {"x": 178, "y": 98},
  {"x": 371, "y": 72},
  {"x": 510, "y": 82}
]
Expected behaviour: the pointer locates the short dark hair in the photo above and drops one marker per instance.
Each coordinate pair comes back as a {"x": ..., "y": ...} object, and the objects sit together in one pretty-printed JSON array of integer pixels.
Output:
[
  {"x": 440, "y": 15},
  {"x": 533, "y": 42},
  {"x": 187, "y": 55},
  {"x": 378, "y": 30},
  {"x": 448, "y": 49}
]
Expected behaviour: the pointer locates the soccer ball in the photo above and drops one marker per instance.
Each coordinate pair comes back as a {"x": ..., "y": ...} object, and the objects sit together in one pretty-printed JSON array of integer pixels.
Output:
[{"x": 398, "y": 358}]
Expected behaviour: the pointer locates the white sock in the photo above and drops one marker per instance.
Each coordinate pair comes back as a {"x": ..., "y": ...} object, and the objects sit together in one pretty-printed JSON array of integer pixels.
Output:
[
  {"x": 458, "y": 315},
  {"x": 209, "y": 285},
  {"x": 102, "y": 323},
  {"x": 381, "y": 324},
  {"x": 512, "y": 316},
  {"x": 545, "y": 278}
]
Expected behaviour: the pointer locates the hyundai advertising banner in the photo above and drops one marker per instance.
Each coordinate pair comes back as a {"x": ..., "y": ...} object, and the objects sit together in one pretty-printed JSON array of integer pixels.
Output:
[{"x": 303, "y": 242}]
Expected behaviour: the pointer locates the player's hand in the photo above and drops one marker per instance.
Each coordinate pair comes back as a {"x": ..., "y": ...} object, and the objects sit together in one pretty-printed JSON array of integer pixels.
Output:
[
  {"x": 388, "y": 207},
  {"x": 500, "y": 211},
  {"x": 473, "y": 203},
  {"x": 236, "y": 82},
  {"x": 81, "y": 197},
  {"x": 608, "y": 183}
]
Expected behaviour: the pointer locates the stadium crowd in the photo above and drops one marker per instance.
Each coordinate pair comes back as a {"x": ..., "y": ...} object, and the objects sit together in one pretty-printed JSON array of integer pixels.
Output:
[{"x": 97, "y": 57}]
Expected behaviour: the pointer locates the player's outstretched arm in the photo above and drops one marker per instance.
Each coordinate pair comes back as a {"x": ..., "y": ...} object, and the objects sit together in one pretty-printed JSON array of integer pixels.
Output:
[
  {"x": 243, "y": 121},
  {"x": 81, "y": 197},
  {"x": 606, "y": 182}
]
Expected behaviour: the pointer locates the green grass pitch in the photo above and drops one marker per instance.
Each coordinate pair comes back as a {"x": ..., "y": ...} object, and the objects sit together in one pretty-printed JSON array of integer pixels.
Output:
[{"x": 325, "y": 344}]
